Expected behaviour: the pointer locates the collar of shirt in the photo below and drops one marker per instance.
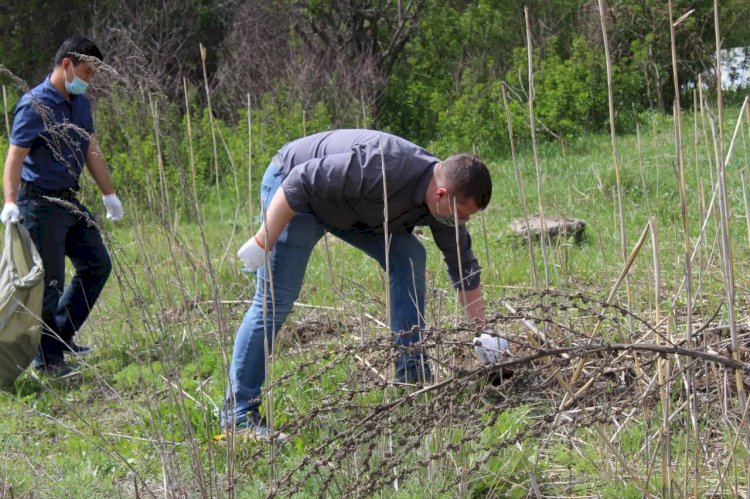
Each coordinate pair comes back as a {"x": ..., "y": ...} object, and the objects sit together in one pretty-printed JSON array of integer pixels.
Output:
[{"x": 49, "y": 90}]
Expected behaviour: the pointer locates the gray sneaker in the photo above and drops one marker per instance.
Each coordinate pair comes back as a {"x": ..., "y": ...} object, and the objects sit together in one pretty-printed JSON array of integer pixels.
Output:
[{"x": 254, "y": 430}]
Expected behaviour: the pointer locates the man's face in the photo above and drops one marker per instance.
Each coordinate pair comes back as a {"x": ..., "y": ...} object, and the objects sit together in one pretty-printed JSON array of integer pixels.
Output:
[
  {"x": 445, "y": 205},
  {"x": 82, "y": 70}
]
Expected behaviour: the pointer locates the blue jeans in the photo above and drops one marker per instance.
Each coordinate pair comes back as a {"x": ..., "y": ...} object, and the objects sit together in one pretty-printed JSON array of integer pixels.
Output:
[
  {"x": 288, "y": 262},
  {"x": 61, "y": 228}
]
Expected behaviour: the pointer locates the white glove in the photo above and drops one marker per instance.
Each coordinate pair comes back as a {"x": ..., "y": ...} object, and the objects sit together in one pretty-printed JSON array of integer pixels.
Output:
[
  {"x": 490, "y": 349},
  {"x": 252, "y": 254},
  {"x": 114, "y": 207},
  {"x": 10, "y": 213}
]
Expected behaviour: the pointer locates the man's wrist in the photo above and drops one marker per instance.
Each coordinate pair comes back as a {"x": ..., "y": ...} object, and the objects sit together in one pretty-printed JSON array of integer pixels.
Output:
[{"x": 259, "y": 242}]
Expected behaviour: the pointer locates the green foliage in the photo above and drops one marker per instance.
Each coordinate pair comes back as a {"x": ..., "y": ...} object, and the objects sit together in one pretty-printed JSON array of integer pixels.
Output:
[
  {"x": 457, "y": 101},
  {"x": 474, "y": 122},
  {"x": 445, "y": 87},
  {"x": 619, "y": 491},
  {"x": 571, "y": 92},
  {"x": 570, "y": 95}
]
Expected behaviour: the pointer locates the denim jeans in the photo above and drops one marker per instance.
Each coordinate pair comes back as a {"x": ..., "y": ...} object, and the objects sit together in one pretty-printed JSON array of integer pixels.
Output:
[
  {"x": 288, "y": 262},
  {"x": 61, "y": 228}
]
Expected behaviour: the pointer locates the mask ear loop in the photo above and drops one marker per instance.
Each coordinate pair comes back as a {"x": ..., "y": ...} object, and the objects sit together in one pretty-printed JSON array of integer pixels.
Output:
[
  {"x": 437, "y": 207},
  {"x": 454, "y": 210},
  {"x": 72, "y": 69}
]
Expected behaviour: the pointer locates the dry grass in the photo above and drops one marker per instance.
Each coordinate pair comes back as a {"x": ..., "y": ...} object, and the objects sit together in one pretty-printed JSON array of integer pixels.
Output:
[{"x": 463, "y": 416}]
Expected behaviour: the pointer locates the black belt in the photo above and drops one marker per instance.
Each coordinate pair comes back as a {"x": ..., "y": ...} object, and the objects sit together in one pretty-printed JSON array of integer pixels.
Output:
[{"x": 29, "y": 190}]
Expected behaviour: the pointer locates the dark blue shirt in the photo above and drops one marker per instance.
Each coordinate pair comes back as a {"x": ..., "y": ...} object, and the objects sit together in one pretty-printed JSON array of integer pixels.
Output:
[{"x": 57, "y": 130}]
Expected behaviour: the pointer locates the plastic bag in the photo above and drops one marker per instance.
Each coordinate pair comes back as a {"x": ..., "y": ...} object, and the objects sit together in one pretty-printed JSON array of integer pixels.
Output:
[{"x": 21, "y": 293}]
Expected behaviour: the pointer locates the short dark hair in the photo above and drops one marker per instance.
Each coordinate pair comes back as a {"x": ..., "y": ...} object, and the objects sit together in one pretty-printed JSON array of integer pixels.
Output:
[
  {"x": 469, "y": 178},
  {"x": 75, "y": 47}
]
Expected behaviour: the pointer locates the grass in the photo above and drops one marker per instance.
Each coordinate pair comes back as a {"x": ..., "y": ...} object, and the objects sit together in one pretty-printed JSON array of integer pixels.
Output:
[{"x": 141, "y": 418}]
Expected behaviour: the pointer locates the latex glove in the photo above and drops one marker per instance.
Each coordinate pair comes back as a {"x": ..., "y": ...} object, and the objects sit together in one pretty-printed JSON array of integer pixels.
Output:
[
  {"x": 490, "y": 349},
  {"x": 10, "y": 213},
  {"x": 252, "y": 254},
  {"x": 113, "y": 206}
]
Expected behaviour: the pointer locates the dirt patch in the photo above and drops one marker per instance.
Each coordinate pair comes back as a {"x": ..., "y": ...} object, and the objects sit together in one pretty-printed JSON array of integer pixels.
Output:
[{"x": 315, "y": 326}]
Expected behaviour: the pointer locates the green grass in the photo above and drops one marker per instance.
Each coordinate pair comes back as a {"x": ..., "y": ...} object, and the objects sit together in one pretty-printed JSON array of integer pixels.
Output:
[{"x": 147, "y": 404}]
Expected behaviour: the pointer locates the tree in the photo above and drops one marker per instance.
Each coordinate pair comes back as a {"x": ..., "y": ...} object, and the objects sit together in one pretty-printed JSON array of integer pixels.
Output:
[
  {"x": 31, "y": 32},
  {"x": 341, "y": 52},
  {"x": 156, "y": 44}
]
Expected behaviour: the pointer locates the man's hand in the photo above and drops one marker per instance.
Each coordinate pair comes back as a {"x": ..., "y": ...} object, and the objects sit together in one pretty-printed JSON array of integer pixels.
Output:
[
  {"x": 10, "y": 213},
  {"x": 252, "y": 254},
  {"x": 490, "y": 349},
  {"x": 113, "y": 206}
]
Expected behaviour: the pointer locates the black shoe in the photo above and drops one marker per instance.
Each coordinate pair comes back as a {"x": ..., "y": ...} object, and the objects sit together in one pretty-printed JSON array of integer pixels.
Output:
[
  {"x": 57, "y": 369},
  {"x": 78, "y": 350}
]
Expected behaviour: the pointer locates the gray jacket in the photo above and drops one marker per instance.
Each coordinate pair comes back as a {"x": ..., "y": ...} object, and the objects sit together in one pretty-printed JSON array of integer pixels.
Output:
[{"x": 338, "y": 177}]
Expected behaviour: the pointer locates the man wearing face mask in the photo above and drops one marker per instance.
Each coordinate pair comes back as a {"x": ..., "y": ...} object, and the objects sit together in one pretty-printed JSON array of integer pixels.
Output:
[
  {"x": 333, "y": 182},
  {"x": 51, "y": 140}
]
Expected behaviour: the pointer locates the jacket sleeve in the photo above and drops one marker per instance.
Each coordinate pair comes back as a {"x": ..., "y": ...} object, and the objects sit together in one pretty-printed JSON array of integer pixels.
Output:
[{"x": 453, "y": 253}]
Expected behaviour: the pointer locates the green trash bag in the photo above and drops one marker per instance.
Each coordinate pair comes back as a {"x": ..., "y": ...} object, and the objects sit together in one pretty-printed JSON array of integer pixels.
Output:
[{"x": 21, "y": 292}]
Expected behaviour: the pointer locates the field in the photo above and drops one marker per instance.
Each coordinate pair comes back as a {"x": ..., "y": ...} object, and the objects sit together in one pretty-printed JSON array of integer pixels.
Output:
[{"x": 620, "y": 382}]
